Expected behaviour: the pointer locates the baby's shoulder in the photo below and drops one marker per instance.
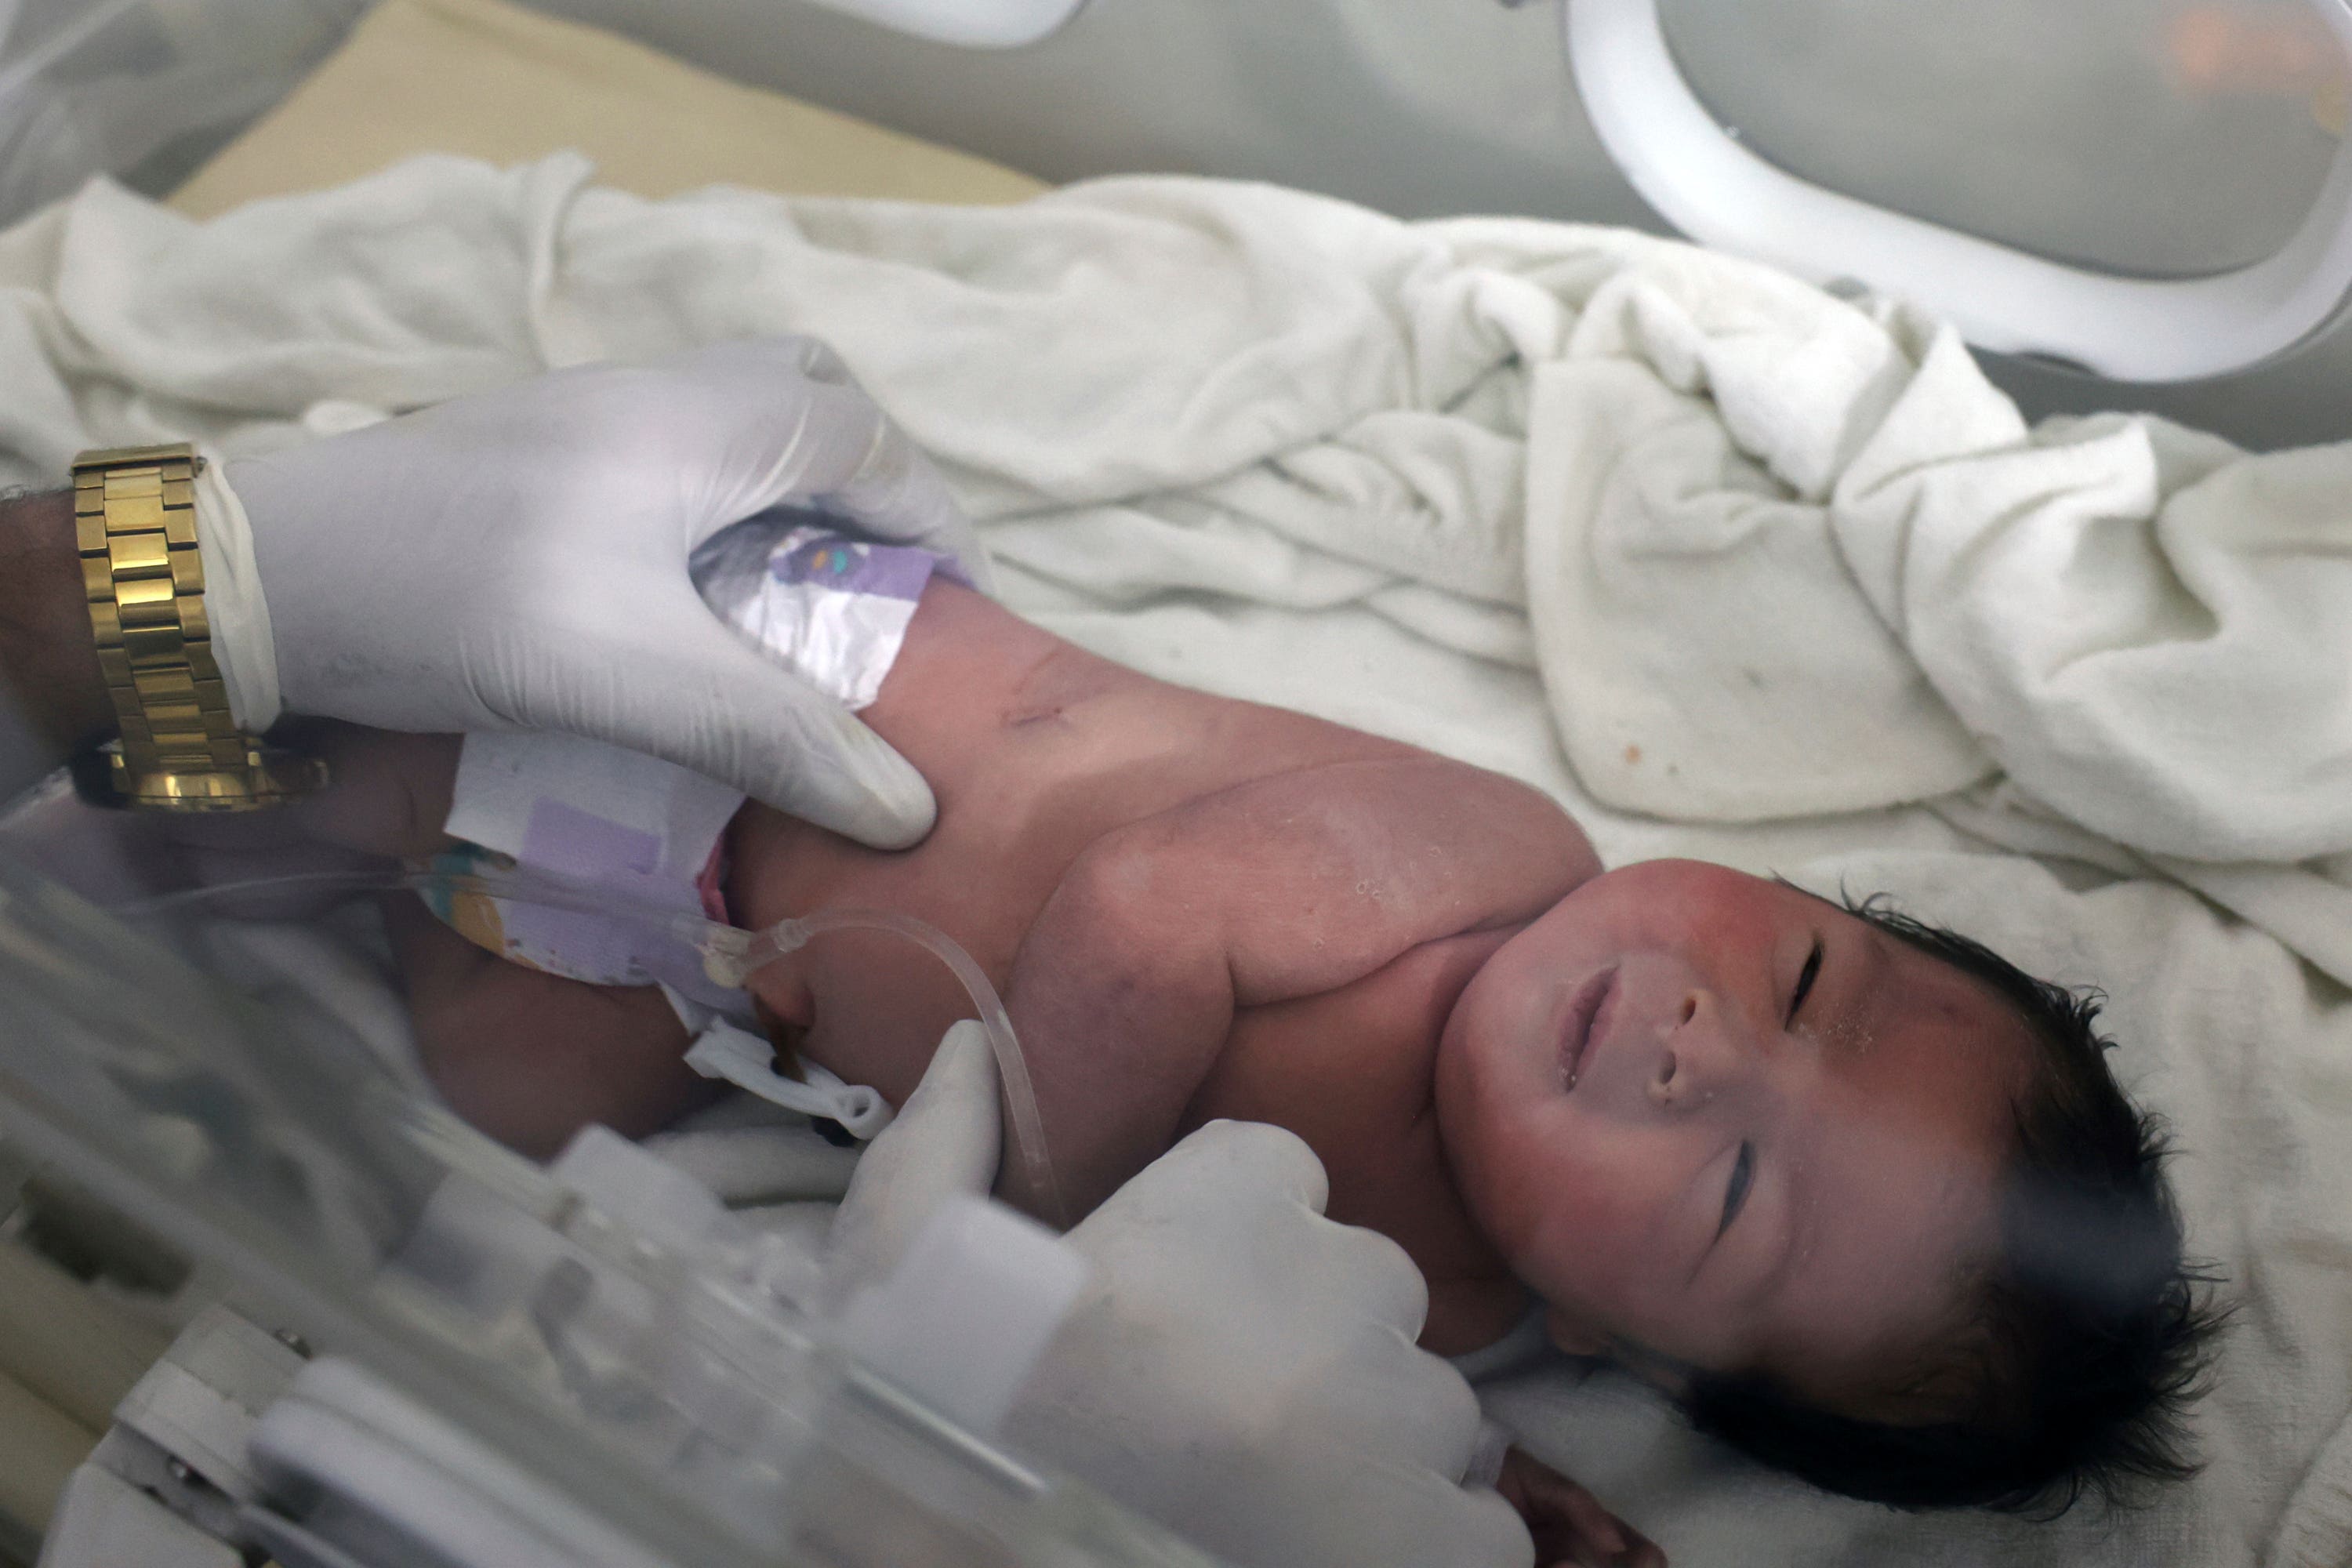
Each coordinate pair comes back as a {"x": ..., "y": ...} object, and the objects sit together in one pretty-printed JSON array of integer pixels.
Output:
[{"x": 1339, "y": 1054}]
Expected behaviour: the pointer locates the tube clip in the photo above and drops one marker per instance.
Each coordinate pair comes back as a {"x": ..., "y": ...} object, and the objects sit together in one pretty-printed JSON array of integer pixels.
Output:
[{"x": 739, "y": 1056}]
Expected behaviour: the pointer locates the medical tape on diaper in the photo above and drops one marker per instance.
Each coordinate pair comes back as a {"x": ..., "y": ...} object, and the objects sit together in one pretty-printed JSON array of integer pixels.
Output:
[{"x": 597, "y": 818}]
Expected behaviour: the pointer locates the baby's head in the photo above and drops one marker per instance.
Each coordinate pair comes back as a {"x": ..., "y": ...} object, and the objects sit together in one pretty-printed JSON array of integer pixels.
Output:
[{"x": 1866, "y": 1197}]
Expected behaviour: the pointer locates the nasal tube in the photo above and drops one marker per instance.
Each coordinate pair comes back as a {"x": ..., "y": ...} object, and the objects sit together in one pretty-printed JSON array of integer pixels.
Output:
[{"x": 737, "y": 963}]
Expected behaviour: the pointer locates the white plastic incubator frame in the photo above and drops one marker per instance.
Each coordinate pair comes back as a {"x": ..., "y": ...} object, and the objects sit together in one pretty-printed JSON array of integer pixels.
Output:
[
  {"x": 1703, "y": 181},
  {"x": 972, "y": 24}
]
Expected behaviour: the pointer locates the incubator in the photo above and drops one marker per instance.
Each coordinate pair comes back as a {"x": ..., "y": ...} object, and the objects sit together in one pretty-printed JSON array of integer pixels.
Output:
[
  {"x": 2127, "y": 202},
  {"x": 316, "y": 1320},
  {"x": 588, "y": 1363}
]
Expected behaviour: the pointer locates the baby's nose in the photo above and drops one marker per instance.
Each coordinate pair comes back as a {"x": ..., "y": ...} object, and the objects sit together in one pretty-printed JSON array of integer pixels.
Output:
[{"x": 1695, "y": 1052}]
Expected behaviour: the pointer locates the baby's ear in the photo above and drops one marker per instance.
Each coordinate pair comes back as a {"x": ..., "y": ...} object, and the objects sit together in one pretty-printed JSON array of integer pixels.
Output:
[{"x": 1573, "y": 1337}]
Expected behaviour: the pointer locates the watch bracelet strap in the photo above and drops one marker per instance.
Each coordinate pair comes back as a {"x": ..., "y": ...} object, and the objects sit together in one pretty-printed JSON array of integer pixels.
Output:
[{"x": 135, "y": 525}]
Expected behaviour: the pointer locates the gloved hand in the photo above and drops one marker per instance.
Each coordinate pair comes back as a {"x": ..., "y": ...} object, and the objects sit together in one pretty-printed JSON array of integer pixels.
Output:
[
  {"x": 518, "y": 559},
  {"x": 1237, "y": 1367}
]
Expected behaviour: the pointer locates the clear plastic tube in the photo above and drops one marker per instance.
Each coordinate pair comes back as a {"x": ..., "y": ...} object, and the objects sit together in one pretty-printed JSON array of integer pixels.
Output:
[
  {"x": 753, "y": 950},
  {"x": 730, "y": 957}
]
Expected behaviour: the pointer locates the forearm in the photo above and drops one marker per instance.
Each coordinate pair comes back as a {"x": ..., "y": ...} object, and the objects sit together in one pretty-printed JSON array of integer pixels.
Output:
[
  {"x": 1118, "y": 1029},
  {"x": 49, "y": 658}
]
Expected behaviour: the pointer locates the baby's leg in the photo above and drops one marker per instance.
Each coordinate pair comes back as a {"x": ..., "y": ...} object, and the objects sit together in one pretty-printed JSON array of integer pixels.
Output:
[{"x": 530, "y": 1057}]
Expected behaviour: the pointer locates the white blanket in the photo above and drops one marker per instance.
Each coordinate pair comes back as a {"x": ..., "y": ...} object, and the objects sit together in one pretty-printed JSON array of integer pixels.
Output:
[{"x": 1732, "y": 567}]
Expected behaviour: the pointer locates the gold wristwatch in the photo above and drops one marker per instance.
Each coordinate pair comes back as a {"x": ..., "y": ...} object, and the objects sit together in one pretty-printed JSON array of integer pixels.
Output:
[{"x": 135, "y": 521}]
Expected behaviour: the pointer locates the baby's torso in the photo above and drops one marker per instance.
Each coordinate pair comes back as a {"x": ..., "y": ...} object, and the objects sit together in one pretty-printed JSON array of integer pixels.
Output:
[{"x": 1035, "y": 750}]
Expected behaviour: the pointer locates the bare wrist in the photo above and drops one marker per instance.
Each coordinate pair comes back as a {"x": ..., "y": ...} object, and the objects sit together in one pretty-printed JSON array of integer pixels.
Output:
[{"x": 49, "y": 658}]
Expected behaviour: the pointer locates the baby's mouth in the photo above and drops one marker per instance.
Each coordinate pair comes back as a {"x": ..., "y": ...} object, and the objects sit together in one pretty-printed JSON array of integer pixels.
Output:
[{"x": 1576, "y": 1037}]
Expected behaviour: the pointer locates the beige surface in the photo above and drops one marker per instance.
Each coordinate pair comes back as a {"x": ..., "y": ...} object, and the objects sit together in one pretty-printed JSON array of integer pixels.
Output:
[
  {"x": 66, "y": 1355},
  {"x": 492, "y": 80},
  {"x": 67, "y": 1345},
  {"x": 39, "y": 1447}
]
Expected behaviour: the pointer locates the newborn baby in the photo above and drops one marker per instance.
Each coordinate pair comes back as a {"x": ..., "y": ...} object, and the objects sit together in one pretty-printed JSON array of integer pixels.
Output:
[{"x": 1864, "y": 1197}]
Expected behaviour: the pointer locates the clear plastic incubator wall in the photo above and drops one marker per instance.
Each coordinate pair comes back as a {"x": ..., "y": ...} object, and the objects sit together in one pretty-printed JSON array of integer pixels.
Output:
[{"x": 2143, "y": 204}]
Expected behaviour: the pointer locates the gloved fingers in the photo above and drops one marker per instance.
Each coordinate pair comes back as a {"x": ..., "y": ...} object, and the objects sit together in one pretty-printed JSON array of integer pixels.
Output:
[
  {"x": 1251, "y": 1155},
  {"x": 1486, "y": 1532},
  {"x": 1409, "y": 1517},
  {"x": 712, "y": 704},
  {"x": 848, "y": 459},
  {"x": 897, "y": 494},
  {"x": 1383, "y": 1285},
  {"x": 842, "y": 776},
  {"x": 805, "y": 431},
  {"x": 951, "y": 1125},
  {"x": 774, "y": 354},
  {"x": 1414, "y": 1409},
  {"x": 818, "y": 362},
  {"x": 945, "y": 1140}
]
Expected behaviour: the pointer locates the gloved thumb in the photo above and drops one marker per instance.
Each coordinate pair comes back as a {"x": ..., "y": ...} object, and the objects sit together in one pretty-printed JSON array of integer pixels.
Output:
[
  {"x": 1240, "y": 1157},
  {"x": 945, "y": 1140},
  {"x": 712, "y": 705},
  {"x": 799, "y": 428}
]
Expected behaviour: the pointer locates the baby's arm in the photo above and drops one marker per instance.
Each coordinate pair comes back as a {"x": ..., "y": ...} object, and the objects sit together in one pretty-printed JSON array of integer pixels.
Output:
[{"x": 1125, "y": 989}]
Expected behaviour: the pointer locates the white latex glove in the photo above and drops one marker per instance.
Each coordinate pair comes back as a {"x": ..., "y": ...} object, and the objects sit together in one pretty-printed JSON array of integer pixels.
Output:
[
  {"x": 1238, "y": 1367},
  {"x": 518, "y": 560}
]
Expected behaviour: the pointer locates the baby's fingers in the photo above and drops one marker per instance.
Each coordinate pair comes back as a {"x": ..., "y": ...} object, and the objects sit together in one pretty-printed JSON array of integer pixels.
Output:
[
  {"x": 1608, "y": 1542},
  {"x": 1645, "y": 1552},
  {"x": 1571, "y": 1527}
]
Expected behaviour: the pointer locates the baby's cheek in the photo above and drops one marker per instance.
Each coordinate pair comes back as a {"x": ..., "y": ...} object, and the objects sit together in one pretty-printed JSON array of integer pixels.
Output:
[{"x": 1593, "y": 1233}]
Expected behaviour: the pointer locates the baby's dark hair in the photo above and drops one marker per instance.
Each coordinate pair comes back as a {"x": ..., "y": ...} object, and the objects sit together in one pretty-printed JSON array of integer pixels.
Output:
[{"x": 2086, "y": 1337}]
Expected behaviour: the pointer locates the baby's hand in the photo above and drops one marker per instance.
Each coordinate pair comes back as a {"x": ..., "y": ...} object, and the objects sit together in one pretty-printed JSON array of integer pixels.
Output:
[{"x": 1569, "y": 1523}]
